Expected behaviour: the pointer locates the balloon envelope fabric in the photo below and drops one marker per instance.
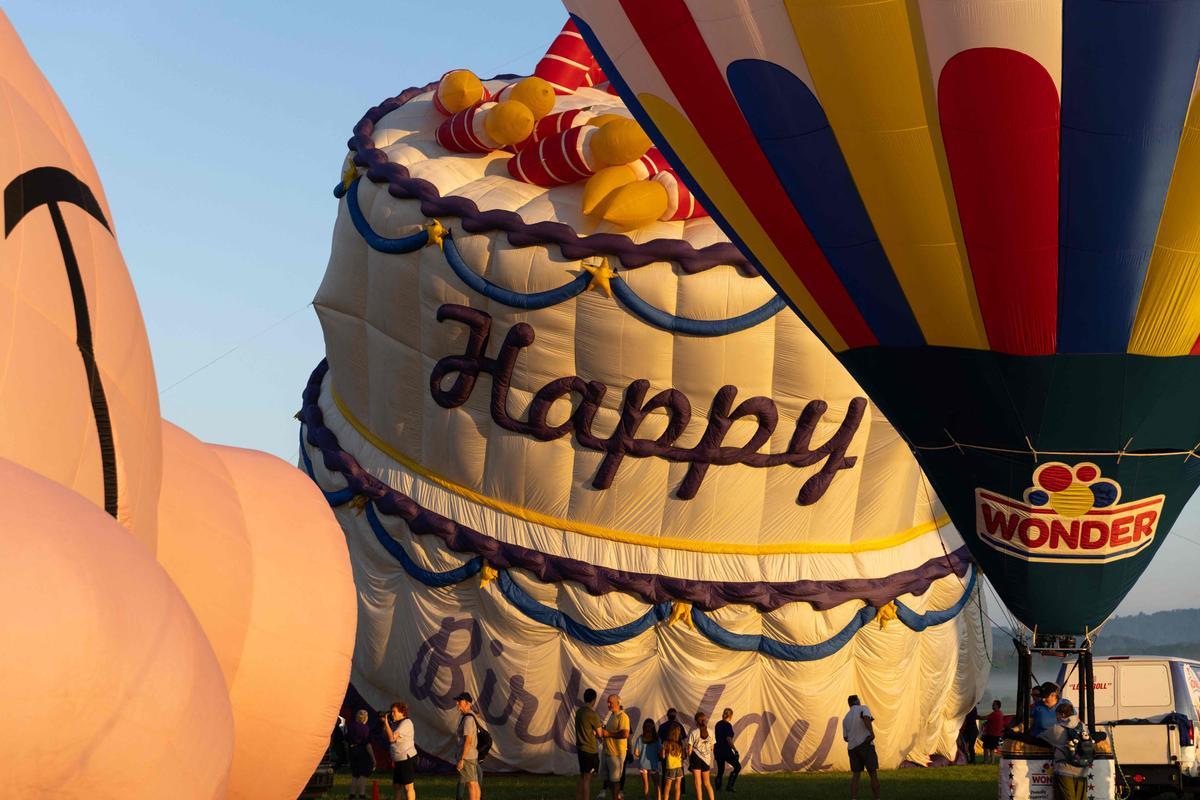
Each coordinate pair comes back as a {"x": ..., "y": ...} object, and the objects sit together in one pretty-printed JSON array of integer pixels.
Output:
[
  {"x": 995, "y": 201},
  {"x": 566, "y": 455}
]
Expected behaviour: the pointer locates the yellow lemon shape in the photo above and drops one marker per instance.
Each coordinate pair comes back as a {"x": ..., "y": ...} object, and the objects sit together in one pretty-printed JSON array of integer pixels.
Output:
[
  {"x": 619, "y": 141},
  {"x": 636, "y": 204},
  {"x": 536, "y": 94},
  {"x": 1073, "y": 501},
  {"x": 459, "y": 90},
  {"x": 601, "y": 119},
  {"x": 508, "y": 122},
  {"x": 602, "y": 184}
]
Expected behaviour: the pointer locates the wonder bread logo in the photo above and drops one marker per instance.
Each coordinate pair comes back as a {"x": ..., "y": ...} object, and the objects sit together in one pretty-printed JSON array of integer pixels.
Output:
[{"x": 1069, "y": 514}]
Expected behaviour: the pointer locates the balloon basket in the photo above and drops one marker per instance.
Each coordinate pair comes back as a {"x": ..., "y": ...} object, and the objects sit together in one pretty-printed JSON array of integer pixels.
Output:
[{"x": 1026, "y": 773}]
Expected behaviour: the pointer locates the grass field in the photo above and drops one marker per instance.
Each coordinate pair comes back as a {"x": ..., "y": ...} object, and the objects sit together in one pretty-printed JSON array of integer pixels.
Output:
[{"x": 953, "y": 783}]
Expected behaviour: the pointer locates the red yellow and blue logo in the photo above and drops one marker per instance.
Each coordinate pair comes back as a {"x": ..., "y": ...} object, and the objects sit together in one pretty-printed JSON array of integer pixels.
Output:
[{"x": 1069, "y": 513}]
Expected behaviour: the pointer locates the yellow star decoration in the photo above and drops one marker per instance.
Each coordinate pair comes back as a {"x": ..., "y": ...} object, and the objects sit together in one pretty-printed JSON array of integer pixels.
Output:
[
  {"x": 358, "y": 503},
  {"x": 681, "y": 611},
  {"x": 437, "y": 232},
  {"x": 487, "y": 575},
  {"x": 886, "y": 614},
  {"x": 349, "y": 172},
  {"x": 602, "y": 275}
]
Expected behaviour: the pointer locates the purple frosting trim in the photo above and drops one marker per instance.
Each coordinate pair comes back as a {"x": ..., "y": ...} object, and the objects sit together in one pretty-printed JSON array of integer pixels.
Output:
[
  {"x": 597, "y": 580},
  {"x": 520, "y": 233}
]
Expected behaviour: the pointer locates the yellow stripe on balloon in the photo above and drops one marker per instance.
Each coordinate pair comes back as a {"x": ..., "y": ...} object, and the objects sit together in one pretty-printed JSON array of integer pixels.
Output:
[
  {"x": 870, "y": 73},
  {"x": 630, "y": 537},
  {"x": 1168, "y": 315},
  {"x": 688, "y": 145}
]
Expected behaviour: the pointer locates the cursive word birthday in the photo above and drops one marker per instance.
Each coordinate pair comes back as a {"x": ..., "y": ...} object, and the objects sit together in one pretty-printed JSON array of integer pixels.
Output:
[
  {"x": 624, "y": 441},
  {"x": 456, "y": 658}
]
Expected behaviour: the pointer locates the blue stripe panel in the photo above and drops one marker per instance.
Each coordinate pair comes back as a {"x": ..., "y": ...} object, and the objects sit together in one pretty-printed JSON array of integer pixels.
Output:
[
  {"x": 554, "y": 618},
  {"x": 791, "y": 128},
  {"x": 782, "y": 650},
  {"x": 694, "y": 327},
  {"x": 528, "y": 302},
  {"x": 335, "y": 498},
  {"x": 427, "y": 577},
  {"x": 551, "y": 297},
  {"x": 1128, "y": 69},
  {"x": 919, "y": 622},
  {"x": 405, "y": 244}
]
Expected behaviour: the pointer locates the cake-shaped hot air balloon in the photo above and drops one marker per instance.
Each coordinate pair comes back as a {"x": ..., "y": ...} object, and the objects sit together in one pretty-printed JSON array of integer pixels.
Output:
[
  {"x": 997, "y": 205},
  {"x": 575, "y": 440}
]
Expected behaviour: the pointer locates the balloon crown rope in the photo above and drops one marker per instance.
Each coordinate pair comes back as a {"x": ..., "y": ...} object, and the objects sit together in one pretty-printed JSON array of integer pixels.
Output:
[{"x": 1036, "y": 454}]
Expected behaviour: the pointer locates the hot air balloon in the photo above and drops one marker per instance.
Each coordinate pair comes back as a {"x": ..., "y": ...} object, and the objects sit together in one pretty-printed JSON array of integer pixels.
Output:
[
  {"x": 149, "y": 580},
  {"x": 996, "y": 201},
  {"x": 575, "y": 440}
]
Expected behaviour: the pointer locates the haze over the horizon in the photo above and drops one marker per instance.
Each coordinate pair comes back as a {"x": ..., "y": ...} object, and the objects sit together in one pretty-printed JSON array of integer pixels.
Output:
[{"x": 219, "y": 131}]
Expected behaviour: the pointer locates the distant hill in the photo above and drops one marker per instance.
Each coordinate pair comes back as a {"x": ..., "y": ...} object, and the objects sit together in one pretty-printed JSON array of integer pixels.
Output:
[{"x": 1170, "y": 633}]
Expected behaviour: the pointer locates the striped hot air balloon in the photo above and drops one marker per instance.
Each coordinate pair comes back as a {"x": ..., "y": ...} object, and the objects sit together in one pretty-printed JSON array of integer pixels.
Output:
[{"x": 998, "y": 201}]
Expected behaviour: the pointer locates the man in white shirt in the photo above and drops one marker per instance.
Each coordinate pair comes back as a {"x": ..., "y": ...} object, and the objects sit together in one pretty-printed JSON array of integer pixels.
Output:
[{"x": 858, "y": 731}]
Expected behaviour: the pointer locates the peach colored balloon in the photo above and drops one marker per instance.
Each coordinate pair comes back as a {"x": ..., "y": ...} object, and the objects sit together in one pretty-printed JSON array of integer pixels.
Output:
[
  {"x": 203, "y": 544},
  {"x": 51, "y": 422},
  {"x": 110, "y": 688},
  {"x": 295, "y": 662}
]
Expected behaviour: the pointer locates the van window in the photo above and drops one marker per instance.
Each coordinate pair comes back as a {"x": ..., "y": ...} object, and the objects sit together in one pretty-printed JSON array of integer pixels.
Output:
[{"x": 1144, "y": 686}]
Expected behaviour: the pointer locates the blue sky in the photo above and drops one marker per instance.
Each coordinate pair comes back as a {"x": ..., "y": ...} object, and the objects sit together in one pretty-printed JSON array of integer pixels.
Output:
[{"x": 220, "y": 128}]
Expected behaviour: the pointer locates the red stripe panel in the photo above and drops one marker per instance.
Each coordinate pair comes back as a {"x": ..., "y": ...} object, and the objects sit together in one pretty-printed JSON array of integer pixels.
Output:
[
  {"x": 670, "y": 35},
  {"x": 999, "y": 112}
]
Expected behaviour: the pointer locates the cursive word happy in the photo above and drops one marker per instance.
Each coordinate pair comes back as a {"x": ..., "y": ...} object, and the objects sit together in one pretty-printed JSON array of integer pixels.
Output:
[{"x": 624, "y": 441}]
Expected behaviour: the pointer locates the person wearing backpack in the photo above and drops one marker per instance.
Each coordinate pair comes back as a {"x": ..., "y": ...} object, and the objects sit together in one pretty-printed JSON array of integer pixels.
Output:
[
  {"x": 474, "y": 744},
  {"x": 1072, "y": 754}
]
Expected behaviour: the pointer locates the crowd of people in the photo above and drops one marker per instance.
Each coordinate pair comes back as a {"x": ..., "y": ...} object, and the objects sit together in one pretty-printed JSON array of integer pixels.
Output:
[{"x": 664, "y": 755}]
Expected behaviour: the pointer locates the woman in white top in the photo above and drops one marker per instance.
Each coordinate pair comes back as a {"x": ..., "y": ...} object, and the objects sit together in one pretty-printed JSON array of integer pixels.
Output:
[
  {"x": 700, "y": 756},
  {"x": 402, "y": 736}
]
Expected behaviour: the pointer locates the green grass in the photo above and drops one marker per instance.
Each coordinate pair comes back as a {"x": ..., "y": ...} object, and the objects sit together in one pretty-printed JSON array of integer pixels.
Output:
[{"x": 956, "y": 783}]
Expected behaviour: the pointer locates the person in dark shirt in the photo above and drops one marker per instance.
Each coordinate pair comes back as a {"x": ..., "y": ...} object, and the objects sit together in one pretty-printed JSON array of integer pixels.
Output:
[
  {"x": 362, "y": 759},
  {"x": 725, "y": 751},
  {"x": 968, "y": 734},
  {"x": 586, "y": 747}
]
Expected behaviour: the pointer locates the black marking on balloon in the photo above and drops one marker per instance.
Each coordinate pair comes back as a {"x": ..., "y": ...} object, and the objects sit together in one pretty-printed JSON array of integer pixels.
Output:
[{"x": 51, "y": 186}]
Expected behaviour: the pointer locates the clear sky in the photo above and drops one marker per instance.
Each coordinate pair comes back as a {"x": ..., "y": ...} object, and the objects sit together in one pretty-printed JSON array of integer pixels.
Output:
[{"x": 219, "y": 130}]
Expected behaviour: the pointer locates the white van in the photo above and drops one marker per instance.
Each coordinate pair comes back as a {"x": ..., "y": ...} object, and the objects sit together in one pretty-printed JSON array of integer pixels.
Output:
[{"x": 1146, "y": 688}]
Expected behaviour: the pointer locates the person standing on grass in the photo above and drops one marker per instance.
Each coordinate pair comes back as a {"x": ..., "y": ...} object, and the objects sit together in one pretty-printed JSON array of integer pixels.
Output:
[
  {"x": 993, "y": 729},
  {"x": 968, "y": 734},
  {"x": 858, "y": 730},
  {"x": 401, "y": 736},
  {"x": 586, "y": 723},
  {"x": 725, "y": 752},
  {"x": 700, "y": 756},
  {"x": 645, "y": 751},
  {"x": 672, "y": 723},
  {"x": 469, "y": 785},
  {"x": 362, "y": 760},
  {"x": 671, "y": 757},
  {"x": 615, "y": 734}
]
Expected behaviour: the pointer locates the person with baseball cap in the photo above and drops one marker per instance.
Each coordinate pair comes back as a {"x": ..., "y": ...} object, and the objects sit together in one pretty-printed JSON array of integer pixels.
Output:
[{"x": 470, "y": 787}]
